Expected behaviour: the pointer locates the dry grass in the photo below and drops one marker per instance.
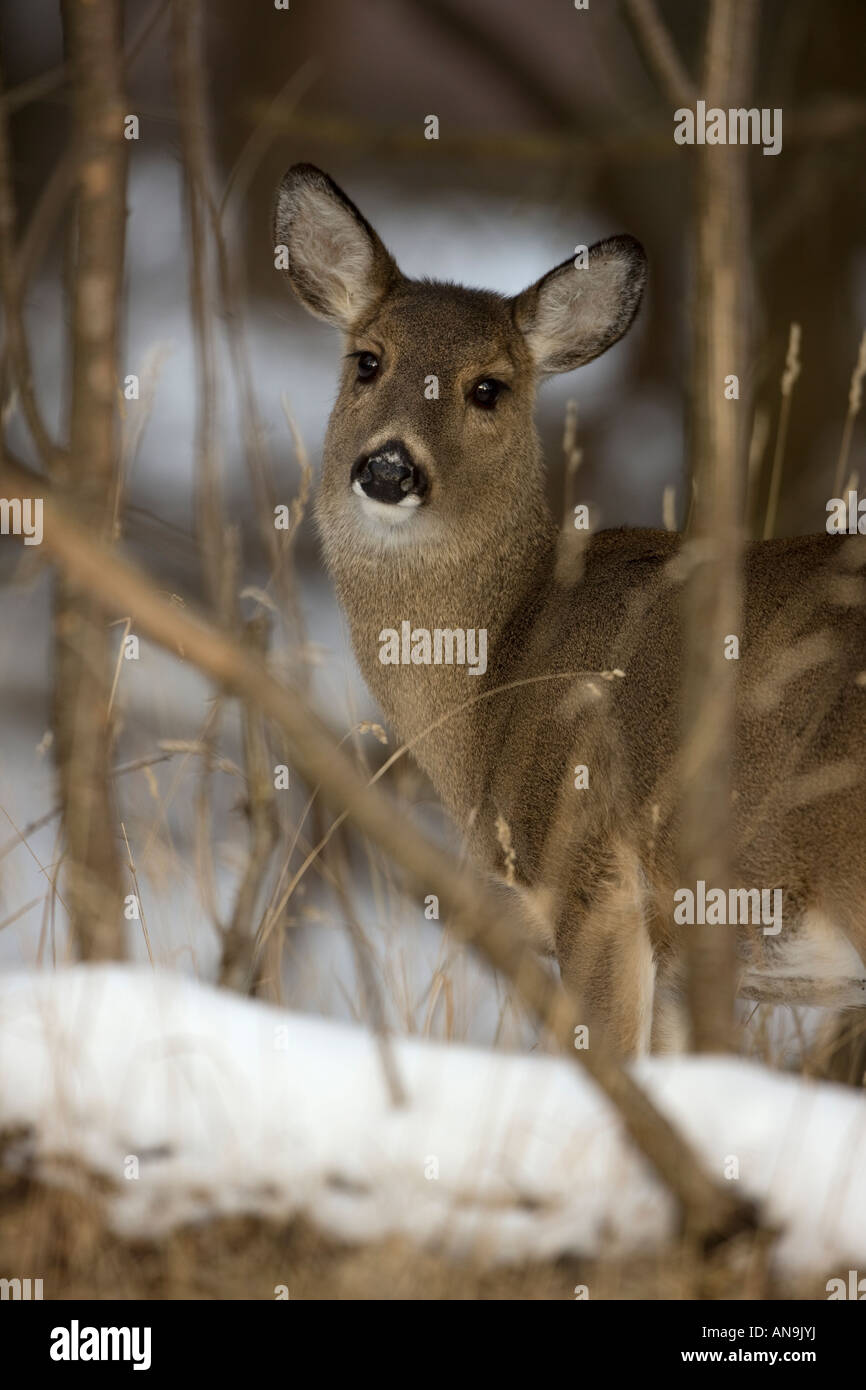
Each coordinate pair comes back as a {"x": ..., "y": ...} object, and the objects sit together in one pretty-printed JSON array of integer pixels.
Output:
[{"x": 61, "y": 1236}]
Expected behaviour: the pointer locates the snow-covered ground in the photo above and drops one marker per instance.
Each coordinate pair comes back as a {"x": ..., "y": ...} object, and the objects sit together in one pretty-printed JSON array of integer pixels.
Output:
[{"x": 194, "y": 1102}]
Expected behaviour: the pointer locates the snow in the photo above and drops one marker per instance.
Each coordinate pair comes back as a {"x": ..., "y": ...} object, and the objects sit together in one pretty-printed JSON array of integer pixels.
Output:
[{"x": 230, "y": 1105}]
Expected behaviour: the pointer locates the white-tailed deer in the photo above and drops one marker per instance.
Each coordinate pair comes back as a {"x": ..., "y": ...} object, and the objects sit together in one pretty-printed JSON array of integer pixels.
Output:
[{"x": 435, "y": 527}]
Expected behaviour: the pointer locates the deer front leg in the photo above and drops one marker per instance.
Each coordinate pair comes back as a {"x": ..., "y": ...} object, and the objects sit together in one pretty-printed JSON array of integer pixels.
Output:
[{"x": 606, "y": 959}]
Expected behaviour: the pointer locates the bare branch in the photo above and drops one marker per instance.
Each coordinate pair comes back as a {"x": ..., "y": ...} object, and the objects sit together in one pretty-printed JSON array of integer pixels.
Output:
[
  {"x": 829, "y": 119},
  {"x": 10, "y": 287},
  {"x": 659, "y": 52},
  {"x": 82, "y": 686},
  {"x": 236, "y": 965},
  {"x": 485, "y": 44},
  {"x": 41, "y": 86},
  {"x": 720, "y": 441},
  {"x": 188, "y": 66}
]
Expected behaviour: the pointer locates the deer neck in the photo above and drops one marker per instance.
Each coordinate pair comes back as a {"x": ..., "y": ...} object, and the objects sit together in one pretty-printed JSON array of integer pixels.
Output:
[{"x": 442, "y": 710}]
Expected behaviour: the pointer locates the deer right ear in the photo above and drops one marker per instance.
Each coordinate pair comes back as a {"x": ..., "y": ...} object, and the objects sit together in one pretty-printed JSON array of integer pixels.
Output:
[{"x": 337, "y": 265}]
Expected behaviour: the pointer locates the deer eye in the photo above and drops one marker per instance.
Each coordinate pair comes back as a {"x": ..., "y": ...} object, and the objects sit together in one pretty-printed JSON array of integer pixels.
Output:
[
  {"x": 487, "y": 392},
  {"x": 368, "y": 365}
]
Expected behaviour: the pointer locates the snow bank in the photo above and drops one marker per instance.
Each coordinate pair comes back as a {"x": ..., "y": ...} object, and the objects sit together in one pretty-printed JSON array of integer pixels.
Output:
[{"x": 193, "y": 1102}]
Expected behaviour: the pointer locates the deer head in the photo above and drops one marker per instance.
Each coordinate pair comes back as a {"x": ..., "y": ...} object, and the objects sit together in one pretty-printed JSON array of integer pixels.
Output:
[{"x": 431, "y": 441}]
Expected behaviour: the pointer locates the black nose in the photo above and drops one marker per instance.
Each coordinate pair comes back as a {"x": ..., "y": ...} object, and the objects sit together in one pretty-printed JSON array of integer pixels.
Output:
[{"x": 389, "y": 474}]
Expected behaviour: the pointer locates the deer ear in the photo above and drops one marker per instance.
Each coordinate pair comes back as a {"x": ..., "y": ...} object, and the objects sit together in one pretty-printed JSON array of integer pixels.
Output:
[
  {"x": 337, "y": 265},
  {"x": 575, "y": 313}
]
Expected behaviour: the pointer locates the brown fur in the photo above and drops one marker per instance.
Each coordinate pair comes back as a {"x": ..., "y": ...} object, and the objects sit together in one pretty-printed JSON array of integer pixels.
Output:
[{"x": 482, "y": 552}]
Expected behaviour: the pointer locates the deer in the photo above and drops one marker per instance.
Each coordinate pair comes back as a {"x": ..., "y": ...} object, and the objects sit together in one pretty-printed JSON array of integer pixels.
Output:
[{"x": 433, "y": 519}]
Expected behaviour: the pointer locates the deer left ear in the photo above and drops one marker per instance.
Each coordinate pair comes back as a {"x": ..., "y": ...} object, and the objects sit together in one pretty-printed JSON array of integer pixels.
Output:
[{"x": 575, "y": 313}]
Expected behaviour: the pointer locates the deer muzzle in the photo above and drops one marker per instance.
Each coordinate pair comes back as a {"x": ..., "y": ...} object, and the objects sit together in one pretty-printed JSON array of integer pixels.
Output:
[{"x": 390, "y": 475}]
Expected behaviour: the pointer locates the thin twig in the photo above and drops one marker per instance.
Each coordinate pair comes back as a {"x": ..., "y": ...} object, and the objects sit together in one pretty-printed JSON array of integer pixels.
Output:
[
  {"x": 855, "y": 397},
  {"x": 131, "y": 866},
  {"x": 789, "y": 376},
  {"x": 370, "y": 986}
]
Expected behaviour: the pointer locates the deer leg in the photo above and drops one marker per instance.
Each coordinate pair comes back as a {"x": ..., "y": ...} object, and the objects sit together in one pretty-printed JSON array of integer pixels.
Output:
[{"x": 607, "y": 962}]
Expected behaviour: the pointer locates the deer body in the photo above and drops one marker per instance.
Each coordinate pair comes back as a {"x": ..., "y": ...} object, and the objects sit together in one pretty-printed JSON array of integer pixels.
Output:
[{"x": 432, "y": 513}]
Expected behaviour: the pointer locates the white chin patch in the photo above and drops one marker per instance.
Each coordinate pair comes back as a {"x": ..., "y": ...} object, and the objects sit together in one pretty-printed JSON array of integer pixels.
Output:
[{"x": 387, "y": 513}]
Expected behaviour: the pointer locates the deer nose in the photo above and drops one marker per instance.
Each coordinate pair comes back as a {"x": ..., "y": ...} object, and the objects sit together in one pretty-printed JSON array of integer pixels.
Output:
[{"x": 389, "y": 474}]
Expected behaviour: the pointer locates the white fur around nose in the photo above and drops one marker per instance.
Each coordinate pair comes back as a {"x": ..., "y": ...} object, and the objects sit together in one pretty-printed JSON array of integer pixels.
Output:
[{"x": 387, "y": 513}]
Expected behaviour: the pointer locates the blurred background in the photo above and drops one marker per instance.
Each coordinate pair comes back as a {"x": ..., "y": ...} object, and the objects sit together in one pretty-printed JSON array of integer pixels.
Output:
[{"x": 552, "y": 132}]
